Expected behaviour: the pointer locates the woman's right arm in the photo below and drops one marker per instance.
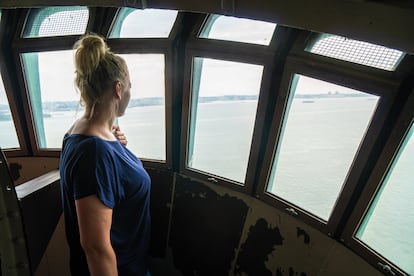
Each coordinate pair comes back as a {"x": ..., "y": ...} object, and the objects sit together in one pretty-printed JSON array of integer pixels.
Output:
[{"x": 95, "y": 220}]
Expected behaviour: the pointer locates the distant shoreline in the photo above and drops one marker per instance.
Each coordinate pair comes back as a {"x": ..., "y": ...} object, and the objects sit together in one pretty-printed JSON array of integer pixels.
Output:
[{"x": 59, "y": 106}]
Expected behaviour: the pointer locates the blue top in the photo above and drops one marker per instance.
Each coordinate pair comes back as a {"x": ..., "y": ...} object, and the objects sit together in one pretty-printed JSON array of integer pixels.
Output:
[{"x": 92, "y": 166}]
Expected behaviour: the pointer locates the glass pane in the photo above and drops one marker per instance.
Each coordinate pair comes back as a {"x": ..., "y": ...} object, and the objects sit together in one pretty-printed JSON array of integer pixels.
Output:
[
  {"x": 223, "y": 110},
  {"x": 238, "y": 29},
  {"x": 53, "y": 96},
  {"x": 144, "y": 119},
  {"x": 357, "y": 51},
  {"x": 322, "y": 129},
  {"x": 56, "y": 21},
  {"x": 148, "y": 23},
  {"x": 8, "y": 135},
  {"x": 388, "y": 225}
]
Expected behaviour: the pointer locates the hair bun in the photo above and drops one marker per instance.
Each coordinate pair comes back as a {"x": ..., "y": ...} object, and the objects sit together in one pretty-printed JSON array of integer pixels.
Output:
[{"x": 90, "y": 50}]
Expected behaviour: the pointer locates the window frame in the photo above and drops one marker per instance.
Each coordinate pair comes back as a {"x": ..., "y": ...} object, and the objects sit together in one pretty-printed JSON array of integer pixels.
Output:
[
  {"x": 211, "y": 19},
  {"x": 118, "y": 45},
  {"x": 17, "y": 121},
  {"x": 147, "y": 46},
  {"x": 60, "y": 45},
  {"x": 271, "y": 57},
  {"x": 403, "y": 67},
  {"x": 23, "y": 45},
  {"x": 374, "y": 182},
  {"x": 338, "y": 72},
  {"x": 226, "y": 51},
  {"x": 124, "y": 10},
  {"x": 163, "y": 46},
  {"x": 316, "y": 37},
  {"x": 37, "y": 10},
  {"x": 9, "y": 82}
]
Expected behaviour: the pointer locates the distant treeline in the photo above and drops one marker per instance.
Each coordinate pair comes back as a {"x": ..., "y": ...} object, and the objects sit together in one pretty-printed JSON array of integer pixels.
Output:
[
  {"x": 227, "y": 98},
  {"x": 332, "y": 95},
  {"x": 75, "y": 105}
]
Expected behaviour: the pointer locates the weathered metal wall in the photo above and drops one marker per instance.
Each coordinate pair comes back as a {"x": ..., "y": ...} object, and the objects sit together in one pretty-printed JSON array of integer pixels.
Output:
[{"x": 217, "y": 231}]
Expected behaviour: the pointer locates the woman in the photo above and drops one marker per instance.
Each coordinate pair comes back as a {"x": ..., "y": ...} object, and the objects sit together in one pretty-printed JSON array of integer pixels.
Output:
[{"x": 105, "y": 189}]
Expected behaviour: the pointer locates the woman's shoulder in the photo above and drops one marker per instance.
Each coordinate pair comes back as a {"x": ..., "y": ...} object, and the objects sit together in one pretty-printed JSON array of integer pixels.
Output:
[
  {"x": 90, "y": 148},
  {"x": 79, "y": 143}
]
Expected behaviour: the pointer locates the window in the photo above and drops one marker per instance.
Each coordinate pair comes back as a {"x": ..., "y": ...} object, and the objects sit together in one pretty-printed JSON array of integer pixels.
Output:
[
  {"x": 56, "y": 21},
  {"x": 149, "y": 23},
  {"x": 356, "y": 51},
  {"x": 8, "y": 135},
  {"x": 55, "y": 101},
  {"x": 387, "y": 226},
  {"x": 238, "y": 29},
  {"x": 322, "y": 128},
  {"x": 223, "y": 109},
  {"x": 144, "y": 119},
  {"x": 53, "y": 97}
]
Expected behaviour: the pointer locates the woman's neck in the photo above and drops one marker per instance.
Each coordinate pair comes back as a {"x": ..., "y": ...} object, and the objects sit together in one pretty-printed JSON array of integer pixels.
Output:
[
  {"x": 95, "y": 122},
  {"x": 92, "y": 127}
]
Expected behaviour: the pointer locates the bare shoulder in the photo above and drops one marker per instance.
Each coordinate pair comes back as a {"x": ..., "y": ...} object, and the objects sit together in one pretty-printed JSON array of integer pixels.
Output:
[
  {"x": 81, "y": 126},
  {"x": 75, "y": 128}
]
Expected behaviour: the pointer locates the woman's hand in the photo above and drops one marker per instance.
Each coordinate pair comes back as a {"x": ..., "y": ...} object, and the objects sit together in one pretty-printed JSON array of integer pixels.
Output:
[{"x": 119, "y": 135}]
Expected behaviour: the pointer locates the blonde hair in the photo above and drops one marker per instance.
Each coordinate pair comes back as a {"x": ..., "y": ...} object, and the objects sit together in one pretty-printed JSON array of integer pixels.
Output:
[{"x": 96, "y": 68}]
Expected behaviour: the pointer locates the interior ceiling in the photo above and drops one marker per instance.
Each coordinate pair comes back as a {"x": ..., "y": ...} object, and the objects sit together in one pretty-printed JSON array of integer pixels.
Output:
[{"x": 382, "y": 22}]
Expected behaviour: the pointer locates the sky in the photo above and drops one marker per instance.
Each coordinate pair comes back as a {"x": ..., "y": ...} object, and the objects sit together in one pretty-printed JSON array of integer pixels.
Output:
[
  {"x": 57, "y": 75},
  {"x": 148, "y": 72}
]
